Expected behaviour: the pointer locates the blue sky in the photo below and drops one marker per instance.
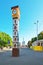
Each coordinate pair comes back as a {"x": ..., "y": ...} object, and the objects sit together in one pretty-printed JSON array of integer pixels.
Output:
[{"x": 30, "y": 12}]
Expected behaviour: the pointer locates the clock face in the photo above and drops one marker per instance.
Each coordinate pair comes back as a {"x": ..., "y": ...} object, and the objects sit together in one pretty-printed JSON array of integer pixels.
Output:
[{"x": 14, "y": 11}]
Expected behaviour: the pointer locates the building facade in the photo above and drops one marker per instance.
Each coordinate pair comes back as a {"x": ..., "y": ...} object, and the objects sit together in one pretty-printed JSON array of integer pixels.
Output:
[{"x": 16, "y": 18}]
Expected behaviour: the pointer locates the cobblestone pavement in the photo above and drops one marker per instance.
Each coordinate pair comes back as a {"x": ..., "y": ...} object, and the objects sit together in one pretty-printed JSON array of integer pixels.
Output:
[{"x": 27, "y": 57}]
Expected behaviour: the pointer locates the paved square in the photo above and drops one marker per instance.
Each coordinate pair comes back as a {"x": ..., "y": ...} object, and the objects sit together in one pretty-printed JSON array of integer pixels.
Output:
[{"x": 27, "y": 57}]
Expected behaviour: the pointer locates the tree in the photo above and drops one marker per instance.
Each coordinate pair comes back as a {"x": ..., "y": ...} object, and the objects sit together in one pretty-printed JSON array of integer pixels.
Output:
[
  {"x": 4, "y": 38},
  {"x": 33, "y": 39},
  {"x": 29, "y": 44},
  {"x": 40, "y": 35}
]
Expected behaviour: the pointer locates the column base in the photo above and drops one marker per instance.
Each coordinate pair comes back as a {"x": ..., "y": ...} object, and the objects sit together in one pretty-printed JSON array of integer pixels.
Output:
[{"x": 15, "y": 52}]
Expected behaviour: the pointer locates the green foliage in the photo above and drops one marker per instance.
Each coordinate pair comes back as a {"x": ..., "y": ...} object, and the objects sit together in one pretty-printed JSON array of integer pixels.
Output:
[
  {"x": 4, "y": 38},
  {"x": 40, "y": 36},
  {"x": 33, "y": 39},
  {"x": 29, "y": 44}
]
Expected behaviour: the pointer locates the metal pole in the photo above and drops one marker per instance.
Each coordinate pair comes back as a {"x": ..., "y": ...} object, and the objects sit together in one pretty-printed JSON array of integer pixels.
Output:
[{"x": 37, "y": 30}]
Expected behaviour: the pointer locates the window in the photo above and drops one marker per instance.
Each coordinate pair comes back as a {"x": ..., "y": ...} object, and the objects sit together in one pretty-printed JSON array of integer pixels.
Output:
[
  {"x": 38, "y": 44},
  {"x": 15, "y": 27},
  {"x": 14, "y": 39},
  {"x": 15, "y": 33},
  {"x": 15, "y": 21}
]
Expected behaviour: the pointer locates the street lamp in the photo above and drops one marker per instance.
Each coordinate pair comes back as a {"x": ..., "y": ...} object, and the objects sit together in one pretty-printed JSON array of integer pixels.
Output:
[{"x": 37, "y": 28}]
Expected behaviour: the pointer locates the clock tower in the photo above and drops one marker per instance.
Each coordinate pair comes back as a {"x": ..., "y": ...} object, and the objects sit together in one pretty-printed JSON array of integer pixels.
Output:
[{"x": 16, "y": 18}]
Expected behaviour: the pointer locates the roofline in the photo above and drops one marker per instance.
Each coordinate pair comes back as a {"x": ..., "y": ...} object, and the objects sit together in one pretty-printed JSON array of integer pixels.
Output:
[{"x": 14, "y": 7}]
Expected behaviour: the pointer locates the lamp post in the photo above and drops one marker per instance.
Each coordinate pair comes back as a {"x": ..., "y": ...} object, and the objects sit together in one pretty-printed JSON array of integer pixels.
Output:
[{"x": 37, "y": 29}]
